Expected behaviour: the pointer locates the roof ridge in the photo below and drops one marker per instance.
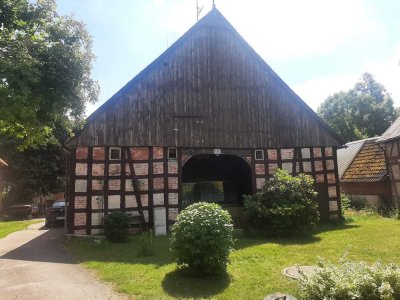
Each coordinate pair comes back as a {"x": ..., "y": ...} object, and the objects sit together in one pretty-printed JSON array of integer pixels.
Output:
[
  {"x": 391, "y": 133},
  {"x": 363, "y": 140}
]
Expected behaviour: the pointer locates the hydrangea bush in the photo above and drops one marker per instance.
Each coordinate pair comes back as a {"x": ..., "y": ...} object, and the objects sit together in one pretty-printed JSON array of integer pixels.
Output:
[
  {"x": 286, "y": 205},
  {"x": 201, "y": 238},
  {"x": 352, "y": 280}
]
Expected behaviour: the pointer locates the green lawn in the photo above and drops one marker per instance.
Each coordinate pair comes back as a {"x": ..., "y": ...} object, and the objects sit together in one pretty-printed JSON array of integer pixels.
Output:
[
  {"x": 256, "y": 265},
  {"x": 11, "y": 226}
]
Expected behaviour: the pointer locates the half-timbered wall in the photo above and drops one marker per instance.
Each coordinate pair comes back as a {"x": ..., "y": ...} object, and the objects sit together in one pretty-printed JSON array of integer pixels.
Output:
[
  {"x": 392, "y": 152},
  {"x": 144, "y": 178},
  {"x": 318, "y": 162}
]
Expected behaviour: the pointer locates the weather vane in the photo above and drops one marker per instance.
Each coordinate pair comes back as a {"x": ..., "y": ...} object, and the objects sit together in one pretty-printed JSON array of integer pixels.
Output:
[{"x": 198, "y": 9}]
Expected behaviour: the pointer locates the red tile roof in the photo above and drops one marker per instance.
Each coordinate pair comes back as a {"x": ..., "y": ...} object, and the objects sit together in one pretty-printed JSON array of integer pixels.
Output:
[{"x": 368, "y": 166}]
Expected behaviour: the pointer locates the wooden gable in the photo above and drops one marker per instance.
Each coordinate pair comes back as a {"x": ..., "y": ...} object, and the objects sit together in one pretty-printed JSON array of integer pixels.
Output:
[{"x": 209, "y": 89}]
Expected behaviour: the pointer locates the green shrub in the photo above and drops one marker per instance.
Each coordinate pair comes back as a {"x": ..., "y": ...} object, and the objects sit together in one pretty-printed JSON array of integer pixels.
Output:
[
  {"x": 351, "y": 280},
  {"x": 357, "y": 202},
  {"x": 285, "y": 205},
  {"x": 116, "y": 226},
  {"x": 384, "y": 207},
  {"x": 201, "y": 238},
  {"x": 345, "y": 202}
]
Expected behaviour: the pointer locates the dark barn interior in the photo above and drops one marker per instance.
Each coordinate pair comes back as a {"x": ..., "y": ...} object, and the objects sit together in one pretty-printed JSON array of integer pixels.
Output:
[{"x": 223, "y": 179}]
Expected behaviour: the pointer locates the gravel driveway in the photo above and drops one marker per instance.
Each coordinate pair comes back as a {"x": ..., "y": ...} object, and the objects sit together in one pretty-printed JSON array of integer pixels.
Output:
[{"x": 34, "y": 265}]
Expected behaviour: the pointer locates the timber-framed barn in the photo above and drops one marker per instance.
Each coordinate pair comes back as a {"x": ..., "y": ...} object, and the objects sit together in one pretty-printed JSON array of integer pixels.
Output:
[{"x": 207, "y": 120}]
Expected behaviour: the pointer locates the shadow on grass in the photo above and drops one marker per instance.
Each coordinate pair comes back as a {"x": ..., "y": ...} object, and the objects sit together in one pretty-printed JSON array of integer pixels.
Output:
[
  {"x": 130, "y": 252},
  {"x": 179, "y": 284},
  {"x": 326, "y": 227},
  {"x": 244, "y": 241}
]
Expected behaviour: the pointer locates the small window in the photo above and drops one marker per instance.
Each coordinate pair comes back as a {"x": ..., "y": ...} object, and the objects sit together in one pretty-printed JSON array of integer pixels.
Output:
[
  {"x": 172, "y": 153},
  {"x": 259, "y": 154},
  {"x": 115, "y": 153}
]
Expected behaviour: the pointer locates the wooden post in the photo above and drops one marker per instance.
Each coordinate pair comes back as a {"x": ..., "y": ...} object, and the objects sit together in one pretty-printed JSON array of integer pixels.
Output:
[{"x": 136, "y": 188}]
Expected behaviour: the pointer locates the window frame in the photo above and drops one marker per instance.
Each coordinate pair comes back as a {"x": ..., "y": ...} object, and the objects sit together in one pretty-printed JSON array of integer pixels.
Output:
[
  {"x": 176, "y": 153},
  {"x": 259, "y": 151},
  {"x": 111, "y": 150}
]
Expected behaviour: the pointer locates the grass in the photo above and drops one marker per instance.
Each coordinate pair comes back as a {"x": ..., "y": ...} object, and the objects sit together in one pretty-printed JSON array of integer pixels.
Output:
[
  {"x": 256, "y": 265},
  {"x": 11, "y": 226}
]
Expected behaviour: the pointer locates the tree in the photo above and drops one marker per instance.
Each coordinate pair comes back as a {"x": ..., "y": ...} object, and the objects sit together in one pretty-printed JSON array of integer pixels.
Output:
[
  {"x": 32, "y": 171},
  {"x": 45, "y": 66},
  {"x": 45, "y": 84},
  {"x": 361, "y": 112}
]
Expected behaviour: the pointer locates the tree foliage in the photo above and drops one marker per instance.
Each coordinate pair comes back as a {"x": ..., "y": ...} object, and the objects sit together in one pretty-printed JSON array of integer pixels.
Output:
[
  {"x": 31, "y": 171},
  {"x": 361, "y": 112},
  {"x": 45, "y": 66},
  {"x": 45, "y": 84}
]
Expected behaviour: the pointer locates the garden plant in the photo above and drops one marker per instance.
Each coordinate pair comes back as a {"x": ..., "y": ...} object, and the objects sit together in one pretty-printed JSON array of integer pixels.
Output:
[
  {"x": 201, "y": 238},
  {"x": 116, "y": 227},
  {"x": 286, "y": 205},
  {"x": 352, "y": 280}
]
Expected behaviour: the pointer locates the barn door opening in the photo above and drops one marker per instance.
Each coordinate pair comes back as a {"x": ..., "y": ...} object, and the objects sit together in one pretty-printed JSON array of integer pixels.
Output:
[{"x": 222, "y": 179}]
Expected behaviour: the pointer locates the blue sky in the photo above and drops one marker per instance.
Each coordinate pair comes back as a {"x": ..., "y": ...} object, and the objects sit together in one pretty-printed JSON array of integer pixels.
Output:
[{"x": 317, "y": 47}]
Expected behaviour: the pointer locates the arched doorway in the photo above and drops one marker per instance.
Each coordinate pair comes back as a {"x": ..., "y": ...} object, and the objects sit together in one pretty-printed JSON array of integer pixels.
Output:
[{"x": 222, "y": 179}]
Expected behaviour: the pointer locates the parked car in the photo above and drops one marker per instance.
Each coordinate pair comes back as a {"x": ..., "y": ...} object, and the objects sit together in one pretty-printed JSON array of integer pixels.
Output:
[{"x": 55, "y": 215}]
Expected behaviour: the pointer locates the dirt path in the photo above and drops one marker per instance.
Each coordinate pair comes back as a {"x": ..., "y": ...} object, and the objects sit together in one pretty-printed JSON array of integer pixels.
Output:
[{"x": 34, "y": 265}]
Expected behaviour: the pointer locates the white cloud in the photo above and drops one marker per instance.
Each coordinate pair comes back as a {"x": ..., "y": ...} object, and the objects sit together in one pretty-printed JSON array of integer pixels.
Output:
[
  {"x": 288, "y": 28},
  {"x": 315, "y": 91}
]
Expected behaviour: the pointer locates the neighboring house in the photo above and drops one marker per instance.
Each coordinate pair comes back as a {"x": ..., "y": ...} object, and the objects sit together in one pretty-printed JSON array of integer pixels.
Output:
[
  {"x": 208, "y": 120},
  {"x": 346, "y": 155},
  {"x": 363, "y": 173},
  {"x": 390, "y": 140}
]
